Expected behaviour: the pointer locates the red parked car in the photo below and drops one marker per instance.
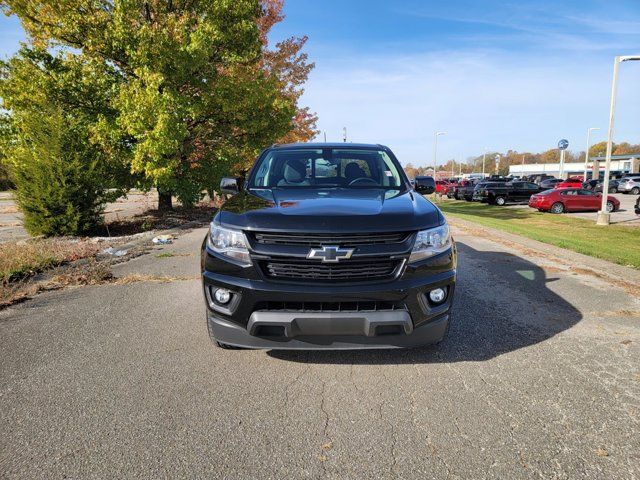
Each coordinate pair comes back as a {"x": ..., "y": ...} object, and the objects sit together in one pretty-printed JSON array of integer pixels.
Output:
[
  {"x": 571, "y": 182},
  {"x": 439, "y": 186},
  {"x": 571, "y": 200}
]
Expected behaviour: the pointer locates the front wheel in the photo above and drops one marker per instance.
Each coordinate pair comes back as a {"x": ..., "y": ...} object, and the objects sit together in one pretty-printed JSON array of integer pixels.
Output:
[
  {"x": 635, "y": 190},
  {"x": 557, "y": 208},
  {"x": 613, "y": 190},
  {"x": 500, "y": 201},
  {"x": 611, "y": 207}
]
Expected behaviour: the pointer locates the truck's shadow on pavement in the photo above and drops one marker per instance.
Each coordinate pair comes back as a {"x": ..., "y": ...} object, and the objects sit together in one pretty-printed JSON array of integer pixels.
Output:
[{"x": 502, "y": 304}]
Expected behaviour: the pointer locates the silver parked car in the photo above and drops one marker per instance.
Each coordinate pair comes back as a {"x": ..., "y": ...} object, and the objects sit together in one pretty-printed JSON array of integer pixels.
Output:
[{"x": 630, "y": 185}]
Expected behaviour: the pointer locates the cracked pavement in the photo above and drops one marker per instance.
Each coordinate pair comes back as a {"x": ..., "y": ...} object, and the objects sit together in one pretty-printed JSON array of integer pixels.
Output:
[{"x": 539, "y": 378}]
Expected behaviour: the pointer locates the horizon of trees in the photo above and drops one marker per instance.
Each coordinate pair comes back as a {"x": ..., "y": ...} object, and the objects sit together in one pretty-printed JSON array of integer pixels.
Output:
[{"x": 473, "y": 164}]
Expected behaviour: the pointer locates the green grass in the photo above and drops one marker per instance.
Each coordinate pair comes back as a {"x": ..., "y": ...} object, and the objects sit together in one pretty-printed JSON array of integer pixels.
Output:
[{"x": 613, "y": 243}]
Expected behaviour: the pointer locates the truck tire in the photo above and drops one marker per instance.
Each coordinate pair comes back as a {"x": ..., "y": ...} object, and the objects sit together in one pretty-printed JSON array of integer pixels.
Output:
[
  {"x": 557, "y": 207},
  {"x": 500, "y": 201}
]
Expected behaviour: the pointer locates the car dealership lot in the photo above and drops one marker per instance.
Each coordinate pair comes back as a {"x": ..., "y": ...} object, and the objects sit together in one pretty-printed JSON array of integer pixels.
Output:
[
  {"x": 624, "y": 216},
  {"x": 539, "y": 378}
]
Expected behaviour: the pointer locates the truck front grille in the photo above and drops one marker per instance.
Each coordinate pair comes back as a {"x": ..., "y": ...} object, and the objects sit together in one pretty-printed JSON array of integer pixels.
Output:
[
  {"x": 346, "y": 271},
  {"x": 319, "y": 239}
]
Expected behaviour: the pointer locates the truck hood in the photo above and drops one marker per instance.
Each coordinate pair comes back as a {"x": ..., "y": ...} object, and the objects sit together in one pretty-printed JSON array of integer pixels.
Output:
[{"x": 329, "y": 210}]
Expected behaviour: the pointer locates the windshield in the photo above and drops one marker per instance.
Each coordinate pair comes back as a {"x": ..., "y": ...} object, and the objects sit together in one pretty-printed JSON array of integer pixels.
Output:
[{"x": 326, "y": 167}]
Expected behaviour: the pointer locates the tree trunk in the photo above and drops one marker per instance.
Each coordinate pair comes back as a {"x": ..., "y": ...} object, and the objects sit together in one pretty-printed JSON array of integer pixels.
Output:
[{"x": 164, "y": 200}]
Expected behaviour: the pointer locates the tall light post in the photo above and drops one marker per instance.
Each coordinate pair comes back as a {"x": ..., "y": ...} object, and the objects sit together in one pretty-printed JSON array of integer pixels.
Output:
[
  {"x": 586, "y": 157},
  {"x": 435, "y": 151},
  {"x": 604, "y": 216},
  {"x": 484, "y": 156}
]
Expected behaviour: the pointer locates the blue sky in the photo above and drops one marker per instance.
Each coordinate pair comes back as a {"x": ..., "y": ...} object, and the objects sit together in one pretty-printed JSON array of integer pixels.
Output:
[{"x": 501, "y": 75}]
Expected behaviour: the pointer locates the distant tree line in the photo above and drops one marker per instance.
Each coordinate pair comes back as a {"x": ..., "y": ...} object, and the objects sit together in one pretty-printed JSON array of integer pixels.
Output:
[
  {"x": 113, "y": 94},
  {"x": 513, "y": 157}
]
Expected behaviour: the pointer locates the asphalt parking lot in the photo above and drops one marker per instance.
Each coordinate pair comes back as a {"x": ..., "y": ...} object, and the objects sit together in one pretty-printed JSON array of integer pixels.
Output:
[{"x": 539, "y": 378}]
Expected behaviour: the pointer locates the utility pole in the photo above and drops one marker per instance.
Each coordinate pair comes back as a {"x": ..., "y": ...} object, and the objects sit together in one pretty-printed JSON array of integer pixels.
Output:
[
  {"x": 344, "y": 134},
  {"x": 325, "y": 136},
  {"x": 484, "y": 156},
  {"x": 603, "y": 215},
  {"x": 435, "y": 151},
  {"x": 586, "y": 155}
]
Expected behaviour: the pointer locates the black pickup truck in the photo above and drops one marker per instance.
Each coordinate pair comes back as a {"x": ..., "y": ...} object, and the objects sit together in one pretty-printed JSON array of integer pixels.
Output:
[
  {"x": 497, "y": 193},
  {"x": 327, "y": 246}
]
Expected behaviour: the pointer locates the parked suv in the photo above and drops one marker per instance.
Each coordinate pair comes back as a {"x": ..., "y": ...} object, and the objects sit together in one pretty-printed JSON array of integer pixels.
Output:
[
  {"x": 327, "y": 246},
  {"x": 630, "y": 185},
  {"x": 503, "y": 193}
]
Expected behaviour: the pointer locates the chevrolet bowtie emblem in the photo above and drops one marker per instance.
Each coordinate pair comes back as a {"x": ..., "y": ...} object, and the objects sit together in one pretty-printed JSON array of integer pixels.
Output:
[{"x": 330, "y": 254}]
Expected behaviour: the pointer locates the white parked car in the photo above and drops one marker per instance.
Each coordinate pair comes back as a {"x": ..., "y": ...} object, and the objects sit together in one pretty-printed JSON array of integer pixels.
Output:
[{"x": 630, "y": 185}]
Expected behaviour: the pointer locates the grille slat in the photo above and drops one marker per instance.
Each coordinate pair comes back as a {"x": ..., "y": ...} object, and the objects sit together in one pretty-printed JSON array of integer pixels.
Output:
[
  {"x": 374, "y": 268},
  {"x": 319, "y": 239},
  {"x": 355, "y": 306}
]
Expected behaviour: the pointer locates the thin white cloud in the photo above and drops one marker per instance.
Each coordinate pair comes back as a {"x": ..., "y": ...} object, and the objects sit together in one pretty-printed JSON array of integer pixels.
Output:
[{"x": 481, "y": 98}]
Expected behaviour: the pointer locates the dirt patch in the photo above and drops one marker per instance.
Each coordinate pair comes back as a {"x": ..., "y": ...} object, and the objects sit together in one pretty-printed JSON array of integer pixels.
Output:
[
  {"x": 137, "y": 277},
  {"x": 8, "y": 209},
  {"x": 197, "y": 216},
  {"x": 24, "y": 259}
]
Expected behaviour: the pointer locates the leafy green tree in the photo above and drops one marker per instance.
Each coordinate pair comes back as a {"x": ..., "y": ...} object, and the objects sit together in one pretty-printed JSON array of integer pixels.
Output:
[
  {"x": 62, "y": 175},
  {"x": 191, "y": 94}
]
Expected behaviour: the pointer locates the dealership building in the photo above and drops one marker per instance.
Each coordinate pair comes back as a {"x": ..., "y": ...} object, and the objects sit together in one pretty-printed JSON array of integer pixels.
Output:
[{"x": 620, "y": 164}]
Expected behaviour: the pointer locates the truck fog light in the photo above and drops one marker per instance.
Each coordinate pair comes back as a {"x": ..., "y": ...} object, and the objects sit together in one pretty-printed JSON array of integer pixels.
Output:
[
  {"x": 437, "y": 295},
  {"x": 222, "y": 296}
]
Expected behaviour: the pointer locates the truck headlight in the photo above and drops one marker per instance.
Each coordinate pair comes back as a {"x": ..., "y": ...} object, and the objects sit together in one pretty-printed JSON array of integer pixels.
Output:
[
  {"x": 431, "y": 242},
  {"x": 229, "y": 243}
]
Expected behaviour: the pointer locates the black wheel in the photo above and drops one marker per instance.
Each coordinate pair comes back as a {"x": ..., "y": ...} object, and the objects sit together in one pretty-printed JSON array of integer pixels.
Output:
[
  {"x": 635, "y": 190},
  {"x": 611, "y": 207},
  {"x": 613, "y": 190},
  {"x": 557, "y": 208},
  {"x": 500, "y": 201}
]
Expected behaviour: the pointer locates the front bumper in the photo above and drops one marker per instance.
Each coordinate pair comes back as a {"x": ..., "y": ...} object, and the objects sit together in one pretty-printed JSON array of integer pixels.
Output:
[{"x": 274, "y": 315}]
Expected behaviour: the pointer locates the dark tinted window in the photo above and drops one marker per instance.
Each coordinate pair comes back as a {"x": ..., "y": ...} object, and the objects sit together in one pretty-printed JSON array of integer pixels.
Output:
[{"x": 326, "y": 167}]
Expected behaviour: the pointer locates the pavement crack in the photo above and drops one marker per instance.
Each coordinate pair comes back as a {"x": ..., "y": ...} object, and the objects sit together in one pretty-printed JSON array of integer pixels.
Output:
[{"x": 327, "y": 440}]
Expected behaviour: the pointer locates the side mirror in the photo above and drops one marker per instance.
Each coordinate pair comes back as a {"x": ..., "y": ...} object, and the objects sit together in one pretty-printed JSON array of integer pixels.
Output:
[
  {"x": 425, "y": 185},
  {"x": 229, "y": 185}
]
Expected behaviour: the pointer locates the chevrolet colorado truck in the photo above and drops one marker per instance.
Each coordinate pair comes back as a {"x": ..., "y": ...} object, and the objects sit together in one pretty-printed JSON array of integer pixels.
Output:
[{"x": 328, "y": 246}]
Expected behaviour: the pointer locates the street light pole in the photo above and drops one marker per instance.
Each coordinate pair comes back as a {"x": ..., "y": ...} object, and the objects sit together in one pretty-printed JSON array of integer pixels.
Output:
[
  {"x": 435, "y": 151},
  {"x": 604, "y": 217},
  {"x": 586, "y": 157},
  {"x": 484, "y": 155}
]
